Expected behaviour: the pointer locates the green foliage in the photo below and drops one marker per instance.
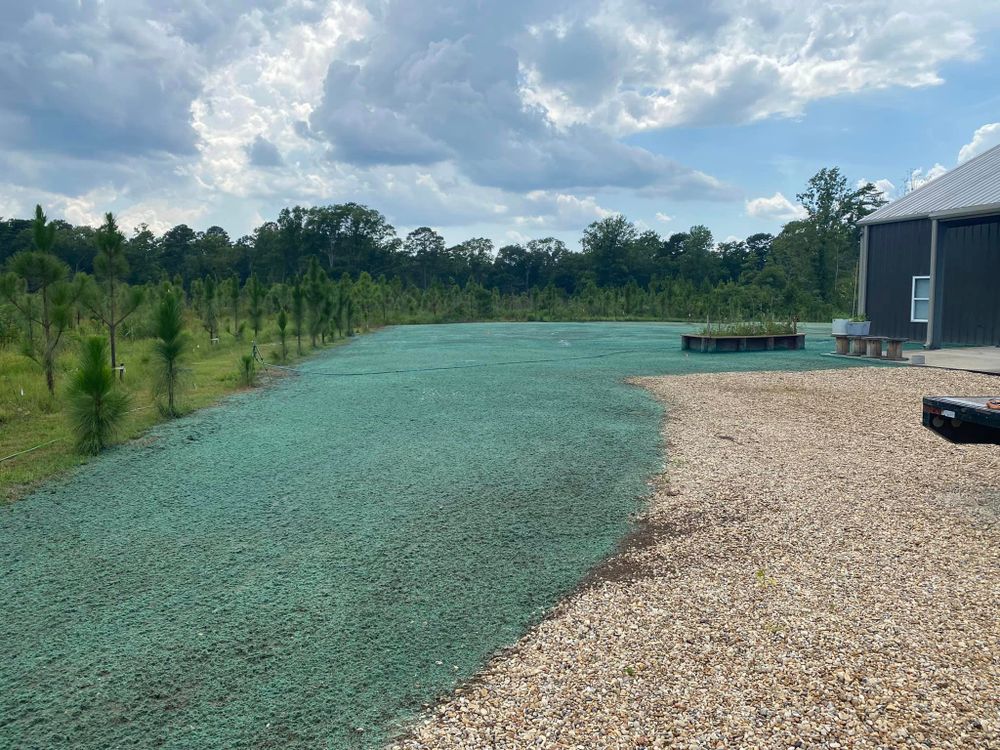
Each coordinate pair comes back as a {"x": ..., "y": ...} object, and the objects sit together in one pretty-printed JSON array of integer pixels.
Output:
[
  {"x": 36, "y": 287},
  {"x": 763, "y": 327},
  {"x": 38, "y": 269},
  {"x": 426, "y": 249},
  {"x": 29, "y": 415},
  {"x": 208, "y": 299},
  {"x": 43, "y": 234},
  {"x": 345, "y": 305},
  {"x": 231, "y": 290},
  {"x": 110, "y": 262},
  {"x": 96, "y": 405},
  {"x": 298, "y": 314},
  {"x": 8, "y": 327},
  {"x": 365, "y": 293},
  {"x": 283, "y": 333},
  {"x": 608, "y": 243},
  {"x": 247, "y": 371},
  {"x": 256, "y": 294},
  {"x": 317, "y": 296},
  {"x": 824, "y": 246},
  {"x": 169, "y": 350},
  {"x": 112, "y": 301}
]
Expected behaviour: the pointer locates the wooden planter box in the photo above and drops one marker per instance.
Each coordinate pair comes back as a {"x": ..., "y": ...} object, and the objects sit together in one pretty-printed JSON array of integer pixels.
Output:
[{"x": 702, "y": 343}]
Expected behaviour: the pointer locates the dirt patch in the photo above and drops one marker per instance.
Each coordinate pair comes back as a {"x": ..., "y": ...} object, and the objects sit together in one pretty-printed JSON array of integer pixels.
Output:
[{"x": 630, "y": 560}]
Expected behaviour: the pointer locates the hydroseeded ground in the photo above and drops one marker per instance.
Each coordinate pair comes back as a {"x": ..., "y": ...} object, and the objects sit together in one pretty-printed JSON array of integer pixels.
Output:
[{"x": 309, "y": 565}]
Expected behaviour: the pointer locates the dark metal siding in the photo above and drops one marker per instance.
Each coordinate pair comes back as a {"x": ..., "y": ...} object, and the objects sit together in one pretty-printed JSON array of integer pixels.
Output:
[
  {"x": 970, "y": 249},
  {"x": 896, "y": 253}
]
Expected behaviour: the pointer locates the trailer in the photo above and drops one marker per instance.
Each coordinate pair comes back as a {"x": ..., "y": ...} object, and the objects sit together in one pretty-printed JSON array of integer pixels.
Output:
[{"x": 964, "y": 419}]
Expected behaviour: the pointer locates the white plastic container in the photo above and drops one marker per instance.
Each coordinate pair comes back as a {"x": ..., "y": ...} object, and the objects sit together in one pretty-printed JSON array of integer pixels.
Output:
[{"x": 839, "y": 326}]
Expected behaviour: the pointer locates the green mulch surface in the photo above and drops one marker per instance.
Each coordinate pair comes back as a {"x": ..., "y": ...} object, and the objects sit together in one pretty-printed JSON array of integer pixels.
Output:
[{"x": 328, "y": 555}]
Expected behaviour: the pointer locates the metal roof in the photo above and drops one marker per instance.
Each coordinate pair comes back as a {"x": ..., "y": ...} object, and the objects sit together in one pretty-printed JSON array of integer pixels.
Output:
[{"x": 968, "y": 189}]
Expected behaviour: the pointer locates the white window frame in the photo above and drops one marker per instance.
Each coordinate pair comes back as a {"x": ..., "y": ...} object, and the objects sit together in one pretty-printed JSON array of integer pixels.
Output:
[{"x": 914, "y": 299}]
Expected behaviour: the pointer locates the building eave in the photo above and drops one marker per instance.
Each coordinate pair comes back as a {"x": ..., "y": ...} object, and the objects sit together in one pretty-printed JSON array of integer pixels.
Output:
[{"x": 953, "y": 214}]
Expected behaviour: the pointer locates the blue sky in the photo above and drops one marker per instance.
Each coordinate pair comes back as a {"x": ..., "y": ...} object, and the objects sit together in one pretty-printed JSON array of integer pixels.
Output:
[{"x": 513, "y": 120}]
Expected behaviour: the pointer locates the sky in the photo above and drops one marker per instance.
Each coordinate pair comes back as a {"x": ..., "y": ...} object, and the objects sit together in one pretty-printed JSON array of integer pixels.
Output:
[{"x": 509, "y": 120}]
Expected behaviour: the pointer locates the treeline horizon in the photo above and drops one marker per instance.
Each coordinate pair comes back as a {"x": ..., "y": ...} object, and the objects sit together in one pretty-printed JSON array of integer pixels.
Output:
[{"x": 807, "y": 270}]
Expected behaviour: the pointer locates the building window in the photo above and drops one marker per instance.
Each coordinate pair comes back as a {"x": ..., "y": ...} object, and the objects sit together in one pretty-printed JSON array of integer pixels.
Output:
[{"x": 921, "y": 299}]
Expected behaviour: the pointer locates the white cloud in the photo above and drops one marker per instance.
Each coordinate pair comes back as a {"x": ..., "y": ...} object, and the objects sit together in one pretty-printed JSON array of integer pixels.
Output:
[
  {"x": 517, "y": 238},
  {"x": 160, "y": 214},
  {"x": 552, "y": 210},
  {"x": 660, "y": 216},
  {"x": 431, "y": 112},
  {"x": 448, "y": 89},
  {"x": 84, "y": 209},
  {"x": 985, "y": 138},
  {"x": 777, "y": 208},
  {"x": 262, "y": 94},
  {"x": 886, "y": 187},
  {"x": 920, "y": 177},
  {"x": 271, "y": 92},
  {"x": 656, "y": 65}
]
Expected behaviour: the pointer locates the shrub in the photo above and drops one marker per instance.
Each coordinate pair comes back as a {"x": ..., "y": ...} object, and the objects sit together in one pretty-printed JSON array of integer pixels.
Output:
[
  {"x": 764, "y": 327},
  {"x": 8, "y": 327},
  {"x": 96, "y": 405},
  {"x": 248, "y": 371}
]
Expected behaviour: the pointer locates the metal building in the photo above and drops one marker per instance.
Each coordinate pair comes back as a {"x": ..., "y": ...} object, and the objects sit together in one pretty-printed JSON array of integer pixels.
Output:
[{"x": 930, "y": 261}]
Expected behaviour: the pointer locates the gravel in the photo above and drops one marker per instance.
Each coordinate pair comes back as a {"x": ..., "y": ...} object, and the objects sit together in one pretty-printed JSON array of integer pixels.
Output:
[{"x": 815, "y": 570}]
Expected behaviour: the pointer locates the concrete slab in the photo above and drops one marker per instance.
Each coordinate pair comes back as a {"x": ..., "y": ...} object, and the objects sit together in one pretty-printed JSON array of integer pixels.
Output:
[{"x": 973, "y": 358}]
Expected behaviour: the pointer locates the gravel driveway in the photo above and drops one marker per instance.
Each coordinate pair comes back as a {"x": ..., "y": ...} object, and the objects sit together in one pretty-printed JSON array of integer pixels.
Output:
[{"x": 816, "y": 570}]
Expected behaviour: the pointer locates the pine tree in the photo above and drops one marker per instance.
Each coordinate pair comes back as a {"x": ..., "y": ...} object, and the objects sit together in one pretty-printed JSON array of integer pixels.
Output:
[
  {"x": 209, "y": 295},
  {"x": 97, "y": 405},
  {"x": 283, "y": 333},
  {"x": 256, "y": 299},
  {"x": 170, "y": 347},
  {"x": 298, "y": 314},
  {"x": 233, "y": 293},
  {"x": 36, "y": 286},
  {"x": 315, "y": 290},
  {"x": 114, "y": 301}
]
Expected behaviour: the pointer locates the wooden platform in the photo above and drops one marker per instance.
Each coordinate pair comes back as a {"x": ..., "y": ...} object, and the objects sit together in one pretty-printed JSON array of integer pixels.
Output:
[
  {"x": 702, "y": 343},
  {"x": 870, "y": 346}
]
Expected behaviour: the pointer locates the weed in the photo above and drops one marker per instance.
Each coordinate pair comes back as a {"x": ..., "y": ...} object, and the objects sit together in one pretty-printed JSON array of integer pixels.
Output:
[{"x": 763, "y": 578}]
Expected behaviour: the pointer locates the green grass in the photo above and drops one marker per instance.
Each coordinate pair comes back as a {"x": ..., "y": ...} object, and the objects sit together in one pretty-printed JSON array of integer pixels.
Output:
[
  {"x": 749, "y": 328},
  {"x": 30, "y": 417}
]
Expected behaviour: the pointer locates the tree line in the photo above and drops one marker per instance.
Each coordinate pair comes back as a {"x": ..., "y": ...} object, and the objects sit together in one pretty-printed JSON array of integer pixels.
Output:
[
  {"x": 807, "y": 270},
  {"x": 319, "y": 273}
]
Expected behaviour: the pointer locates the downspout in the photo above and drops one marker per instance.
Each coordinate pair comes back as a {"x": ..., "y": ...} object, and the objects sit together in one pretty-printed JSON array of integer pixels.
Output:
[
  {"x": 863, "y": 273},
  {"x": 933, "y": 325}
]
